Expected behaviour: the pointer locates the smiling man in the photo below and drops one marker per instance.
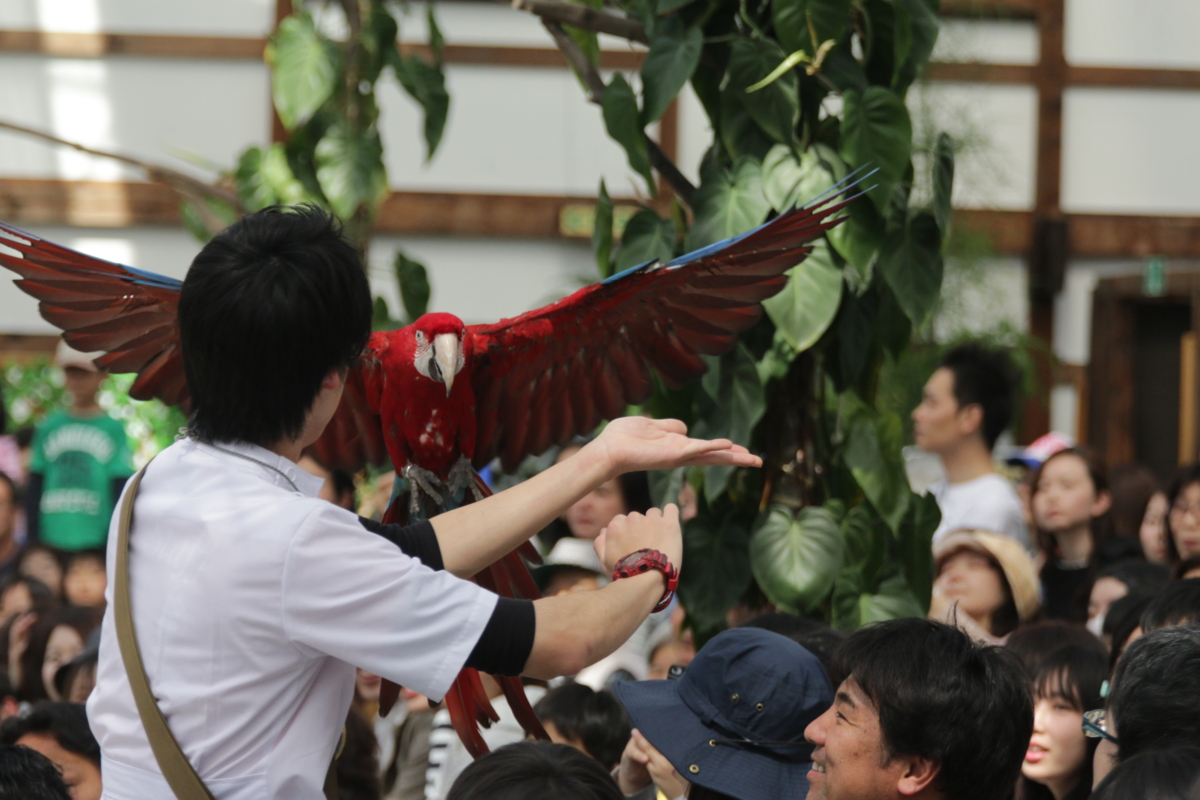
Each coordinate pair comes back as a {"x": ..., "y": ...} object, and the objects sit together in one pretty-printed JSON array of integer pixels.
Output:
[{"x": 925, "y": 713}]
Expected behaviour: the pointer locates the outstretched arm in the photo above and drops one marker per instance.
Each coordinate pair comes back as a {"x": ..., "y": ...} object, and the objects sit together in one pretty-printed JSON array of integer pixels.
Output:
[{"x": 478, "y": 534}]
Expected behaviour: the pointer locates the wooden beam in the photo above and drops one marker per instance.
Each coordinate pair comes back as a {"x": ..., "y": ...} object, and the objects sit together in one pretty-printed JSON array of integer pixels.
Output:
[
  {"x": 97, "y": 45},
  {"x": 26, "y": 348},
  {"x": 978, "y": 72},
  {"x": 1133, "y": 78},
  {"x": 989, "y": 9},
  {"x": 100, "y": 204}
]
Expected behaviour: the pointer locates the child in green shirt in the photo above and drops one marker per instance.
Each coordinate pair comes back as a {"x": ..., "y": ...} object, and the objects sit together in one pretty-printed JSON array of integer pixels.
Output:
[{"x": 80, "y": 462}]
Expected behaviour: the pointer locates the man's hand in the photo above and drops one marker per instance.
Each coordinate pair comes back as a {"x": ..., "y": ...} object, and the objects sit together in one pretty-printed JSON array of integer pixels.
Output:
[
  {"x": 657, "y": 530},
  {"x": 641, "y": 763},
  {"x": 629, "y": 444}
]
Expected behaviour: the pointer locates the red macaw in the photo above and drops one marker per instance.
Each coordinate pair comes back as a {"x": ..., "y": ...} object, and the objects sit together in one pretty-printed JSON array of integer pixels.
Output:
[{"x": 440, "y": 399}]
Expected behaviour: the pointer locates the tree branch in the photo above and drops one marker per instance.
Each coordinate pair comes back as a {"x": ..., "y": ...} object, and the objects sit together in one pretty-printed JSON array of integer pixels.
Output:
[
  {"x": 581, "y": 16},
  {"x": 191, "y": 188},
  {"x": 590, "y": 76}
]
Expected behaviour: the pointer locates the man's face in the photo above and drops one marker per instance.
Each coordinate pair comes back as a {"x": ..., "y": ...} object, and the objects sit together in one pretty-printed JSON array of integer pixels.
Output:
[
  {"x": 850, "y": 761},
  {"x": 938, "y": 422}
]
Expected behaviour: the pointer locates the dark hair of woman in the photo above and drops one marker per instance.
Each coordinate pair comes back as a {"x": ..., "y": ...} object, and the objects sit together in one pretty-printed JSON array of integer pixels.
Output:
[
  {"x": 1123, "y": 618},
  {"x": 358, "y": 765},
  {"x": 698, "y": 792},
  {"x": 1183, "y": 478},
  {"x": 1033, "y": 643},
  {"x": 1074, "y": 674},
  {"x": 1168, "y": 774},
  {"x": 1184, "y": 567},
  {"x": 535, "y": 771},
  {"x": 1131, "y": 487},
  {"x": 84, "y": 620}
]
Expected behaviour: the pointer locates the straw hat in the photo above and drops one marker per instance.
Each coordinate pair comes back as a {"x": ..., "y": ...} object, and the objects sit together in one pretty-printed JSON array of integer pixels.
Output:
[{"x": 1018, "y": 568}]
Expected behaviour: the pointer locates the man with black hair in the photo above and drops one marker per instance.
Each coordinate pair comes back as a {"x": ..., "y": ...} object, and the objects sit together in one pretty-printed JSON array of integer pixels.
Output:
[
  {"x": 59, "y": 731},
  {"x": 26, "y": 774},
  {"x": 925, "y": 712},
  {"x": 1178, "y": 604},
  {"x": 965, "y": 406},
  {"x": 590, "y": 721},
  {"x": 1154, "y": 701},
  {"x": 253, "y": 600}
]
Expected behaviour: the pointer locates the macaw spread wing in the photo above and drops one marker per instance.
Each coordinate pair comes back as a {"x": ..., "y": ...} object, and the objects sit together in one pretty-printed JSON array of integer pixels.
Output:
[
  {"x": 558, "y": 371},
  {"x": 128, "y": 313}
]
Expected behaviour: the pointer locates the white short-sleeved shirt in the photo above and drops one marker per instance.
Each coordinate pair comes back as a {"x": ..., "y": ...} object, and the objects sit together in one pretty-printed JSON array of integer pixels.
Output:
[
  {"x": 252, "y": 605},
  {"x": 987, "y": 503}
]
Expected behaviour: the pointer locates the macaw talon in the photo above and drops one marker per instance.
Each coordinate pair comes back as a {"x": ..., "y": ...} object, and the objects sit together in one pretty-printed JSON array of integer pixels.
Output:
[
  {"x": 462, "y": 476},
  {"x": 426, "y": 481}
]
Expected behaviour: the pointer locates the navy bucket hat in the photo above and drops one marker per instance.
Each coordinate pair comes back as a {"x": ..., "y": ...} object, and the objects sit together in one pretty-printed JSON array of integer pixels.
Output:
[{"x": 734, "y": 722}]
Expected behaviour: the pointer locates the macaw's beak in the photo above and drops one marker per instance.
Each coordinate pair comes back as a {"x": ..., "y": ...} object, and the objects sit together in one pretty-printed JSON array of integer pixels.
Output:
[{"x": 445, "y": 351}]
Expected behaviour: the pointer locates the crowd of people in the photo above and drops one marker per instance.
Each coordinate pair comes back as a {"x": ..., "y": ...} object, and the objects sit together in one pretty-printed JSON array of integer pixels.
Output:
[{"x": 1060, "y": 658}]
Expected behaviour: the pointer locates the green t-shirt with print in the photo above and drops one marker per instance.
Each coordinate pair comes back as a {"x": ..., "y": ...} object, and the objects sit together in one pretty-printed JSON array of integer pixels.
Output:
[{"x": 78, "y": 459}]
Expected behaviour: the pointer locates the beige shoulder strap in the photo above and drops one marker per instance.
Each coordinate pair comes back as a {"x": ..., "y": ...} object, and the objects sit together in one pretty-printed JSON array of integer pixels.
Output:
[
  {"x": 182, "y": 779},
  {"x": 179, "y": 774}
]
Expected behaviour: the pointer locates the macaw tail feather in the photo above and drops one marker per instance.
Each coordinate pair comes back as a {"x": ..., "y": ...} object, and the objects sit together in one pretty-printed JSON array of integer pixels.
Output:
[{"x": 467, "y": 701}]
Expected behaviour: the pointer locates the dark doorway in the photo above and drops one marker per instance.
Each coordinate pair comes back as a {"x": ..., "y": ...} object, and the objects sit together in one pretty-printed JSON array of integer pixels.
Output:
[{"x": 1158, "y": 330}]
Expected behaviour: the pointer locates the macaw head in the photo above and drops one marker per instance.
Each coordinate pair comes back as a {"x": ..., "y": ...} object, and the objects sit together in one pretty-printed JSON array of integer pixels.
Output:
[{"x": 438, "y": 351}]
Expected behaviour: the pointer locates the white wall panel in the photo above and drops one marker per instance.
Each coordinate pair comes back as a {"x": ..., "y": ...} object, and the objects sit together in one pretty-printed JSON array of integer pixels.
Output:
[
  {"x": 181, "y": 17},
  {"x": 988, "y": 41},
  {"x": 511, "y": 130},
  {"x": 1158, "y": 33},
  {"x": 996, "y": 128},
  {"x": 1131, "y": 151},
  {"x": 982, "y": 295},
  {"x": 485, "y": 280},
  {"x": 140, "y": 107}
]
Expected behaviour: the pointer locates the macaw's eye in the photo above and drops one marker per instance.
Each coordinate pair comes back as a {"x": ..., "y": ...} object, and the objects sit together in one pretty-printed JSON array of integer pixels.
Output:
[{"x": 420, "y": 336}]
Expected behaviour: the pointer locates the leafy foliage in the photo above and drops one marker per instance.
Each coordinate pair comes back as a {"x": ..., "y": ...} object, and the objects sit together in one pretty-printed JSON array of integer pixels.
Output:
[{"x": 829, "y": 526}]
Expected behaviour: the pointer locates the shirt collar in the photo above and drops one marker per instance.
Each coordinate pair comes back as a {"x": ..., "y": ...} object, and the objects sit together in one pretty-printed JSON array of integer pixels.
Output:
[{"x": 307, "y": 483}]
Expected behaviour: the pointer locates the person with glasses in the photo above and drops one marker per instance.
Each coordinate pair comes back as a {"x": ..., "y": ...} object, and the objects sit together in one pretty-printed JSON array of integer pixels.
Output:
[
  {"x": 1183, "y": 514},
  {"x": 1153, "y": 700},
  {"x": 1058, "y": 763}
]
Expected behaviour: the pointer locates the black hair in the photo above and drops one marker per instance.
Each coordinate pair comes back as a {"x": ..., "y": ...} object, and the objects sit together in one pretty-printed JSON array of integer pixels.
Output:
[
  {"x": 87, "y": 554},
  {"x": 1184, "y": 477},
  {"x": 814, "y": 636},
  {"x": 1131, "y": 487},
  {"x": 597, "y": 720},
  {"x": 698, "y": 792},
  {"x": 269, "y": 307},
  {"x": 1168, "y": 774},
  {"x": 1155, "y": 696},
  {"x": 1138, "y": 575},
  {"x": 343, "y": 482},
  {"x": 1178, "y": 604},
  {"x": 26, "y": 774},
  {"x": 358, "y": 765},
  {"x": 535, "y": 771},
  {"x": 1075, "y": 674},
  {"x": 1033, "y": 643},
  {"x": 1123, "y": 618},
  {"x": 66, "y": 722},
  {"x": 941, "y": 696},
  {"x": 24, "y": 436},
  {"x": 635, "y": 491},
  {"x": 987, "y": 378}
]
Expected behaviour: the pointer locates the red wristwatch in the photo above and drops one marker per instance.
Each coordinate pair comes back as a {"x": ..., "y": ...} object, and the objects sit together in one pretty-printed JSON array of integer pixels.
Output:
[{"x": 641, "y": 561}]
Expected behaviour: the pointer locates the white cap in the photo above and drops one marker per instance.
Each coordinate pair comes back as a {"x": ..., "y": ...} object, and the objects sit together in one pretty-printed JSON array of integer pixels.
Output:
[{"x": 67, "y": 356}]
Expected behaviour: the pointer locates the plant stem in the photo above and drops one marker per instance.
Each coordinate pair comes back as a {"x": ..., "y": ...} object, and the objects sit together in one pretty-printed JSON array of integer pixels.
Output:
[{"x": 581, "y": 16}]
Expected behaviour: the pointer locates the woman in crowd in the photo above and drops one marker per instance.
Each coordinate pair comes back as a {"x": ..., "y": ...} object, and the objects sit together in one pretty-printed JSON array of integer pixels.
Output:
[
  {"x": 624, "y": 494},
  {"x": 1183, "y": 516},
  {"x": 1133, "y": 488},
  {"x": 60, "y": 732},
  {"x": 1116, "y": 581},
  {"x": 40, "y": 562},
  {"x": 55, "y": 639},
  {"x": 1070, "y": 509},
  {"x": 1058, "y": 764},
  {"x": 1171, "y": 774},
  {"x": 535, "y": 771},
  {"x": 985, "y": 583}
]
